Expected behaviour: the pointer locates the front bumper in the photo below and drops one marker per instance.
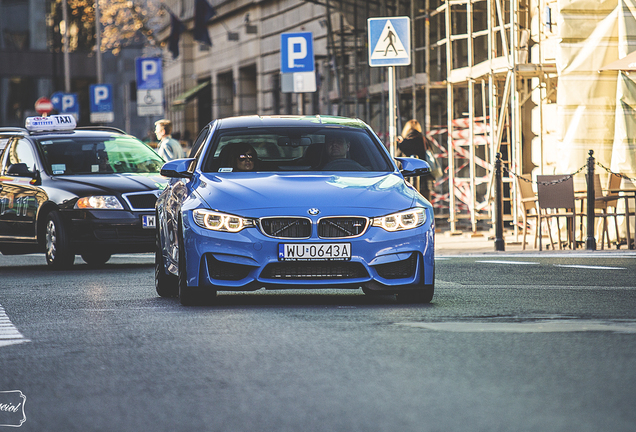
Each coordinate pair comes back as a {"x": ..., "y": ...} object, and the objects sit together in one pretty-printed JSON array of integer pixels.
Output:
[{"x": 248, "y": 260}]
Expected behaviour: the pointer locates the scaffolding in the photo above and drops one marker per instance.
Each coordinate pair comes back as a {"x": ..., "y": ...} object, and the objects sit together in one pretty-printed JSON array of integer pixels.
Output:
[
  {"x": 487, "y": 45},
  {"x": 479, "y": 81}
]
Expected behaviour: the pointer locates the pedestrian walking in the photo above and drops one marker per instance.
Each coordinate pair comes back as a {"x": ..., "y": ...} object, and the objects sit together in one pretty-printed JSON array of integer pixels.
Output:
[{"x": 168, "y": 147}]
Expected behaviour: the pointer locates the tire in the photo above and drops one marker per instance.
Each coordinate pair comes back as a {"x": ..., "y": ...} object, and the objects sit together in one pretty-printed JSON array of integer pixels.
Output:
[
  {"x": 190, "y": 295},
  {"x": 167, "y": 285},
  {"x": 96, "y": 259},
  {"x": 423, "y": 295},
  {"x": 56, "y": 242}
]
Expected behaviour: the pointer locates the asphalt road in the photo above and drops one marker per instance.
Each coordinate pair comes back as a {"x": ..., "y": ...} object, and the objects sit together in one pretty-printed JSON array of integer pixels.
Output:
[{"x": 510, "y": 343}]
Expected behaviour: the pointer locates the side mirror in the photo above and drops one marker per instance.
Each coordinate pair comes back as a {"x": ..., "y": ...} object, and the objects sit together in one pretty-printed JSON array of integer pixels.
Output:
[
  {"x": 178, "y": 168},
  {"x": 20, "y": 170},
  {"x": 413, "y": 167}
]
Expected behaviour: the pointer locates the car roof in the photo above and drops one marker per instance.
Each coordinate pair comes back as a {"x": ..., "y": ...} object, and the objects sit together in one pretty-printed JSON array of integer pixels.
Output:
[
  {"x": 288, "y": 121},
  {"x": 76, "y": 133}
]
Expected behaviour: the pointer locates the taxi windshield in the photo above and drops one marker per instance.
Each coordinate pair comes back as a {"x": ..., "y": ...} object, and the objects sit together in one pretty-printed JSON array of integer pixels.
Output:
[{"x": 99, "y": 155}]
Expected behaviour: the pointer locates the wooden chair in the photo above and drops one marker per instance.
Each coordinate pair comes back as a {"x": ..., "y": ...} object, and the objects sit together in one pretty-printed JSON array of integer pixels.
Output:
[
  {"x": 529, "y": 208},
  {"x": 608, "y": 204},
  {"x": 556, "y": 200}
]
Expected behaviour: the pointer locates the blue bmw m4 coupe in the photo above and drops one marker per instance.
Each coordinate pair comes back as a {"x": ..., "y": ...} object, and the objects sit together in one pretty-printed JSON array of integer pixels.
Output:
[{"x": 292, "y": 202}]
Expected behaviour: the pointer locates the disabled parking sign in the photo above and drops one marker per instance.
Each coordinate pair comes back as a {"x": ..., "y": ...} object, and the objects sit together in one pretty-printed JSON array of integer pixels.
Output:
[
  {"x": 389, "y": 41},
  {"x": 149, "y": 75}
]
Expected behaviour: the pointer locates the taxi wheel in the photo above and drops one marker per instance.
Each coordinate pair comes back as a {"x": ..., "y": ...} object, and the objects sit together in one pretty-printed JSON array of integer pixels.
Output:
[
  {"x": 96, "y": 258},
  {"x": 167, "y": 285},
  {"x": 58, "y": 252}
]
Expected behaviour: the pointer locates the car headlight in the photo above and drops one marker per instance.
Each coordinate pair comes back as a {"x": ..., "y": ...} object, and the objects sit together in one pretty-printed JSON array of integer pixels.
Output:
[
  {"x": 107, "y": 202},
  {"x": 405, "y": 220},
  {"x": 217, "y": 221}
]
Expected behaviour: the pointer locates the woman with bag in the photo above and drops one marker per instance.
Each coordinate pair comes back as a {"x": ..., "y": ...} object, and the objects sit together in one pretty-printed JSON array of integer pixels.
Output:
[{"x": 413, "y": 143}]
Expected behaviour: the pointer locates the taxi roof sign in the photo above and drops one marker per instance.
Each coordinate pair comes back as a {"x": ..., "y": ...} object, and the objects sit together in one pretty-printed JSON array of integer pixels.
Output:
[{"x": 51, "y": 123}]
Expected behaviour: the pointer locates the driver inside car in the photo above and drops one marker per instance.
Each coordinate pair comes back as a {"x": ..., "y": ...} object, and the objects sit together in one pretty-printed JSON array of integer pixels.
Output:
[
  {"x": 337, "y": 147},
  {"x": 337, "y": 157}
]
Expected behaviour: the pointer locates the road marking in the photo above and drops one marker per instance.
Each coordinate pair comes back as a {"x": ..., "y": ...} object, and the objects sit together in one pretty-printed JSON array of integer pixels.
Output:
[
  {"x": 579, "y": 266},
  {"x": 509, "y": 262},
  {"x": 9, "y": 334},
  {"x": 543, "y": 326},
  {"x": 588, "y": 267}
]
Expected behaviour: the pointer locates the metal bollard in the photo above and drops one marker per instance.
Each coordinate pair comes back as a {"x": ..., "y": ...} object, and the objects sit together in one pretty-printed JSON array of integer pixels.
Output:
[
  {"x": 500, "y": 244},
  {"x": 590, "y": 243}
]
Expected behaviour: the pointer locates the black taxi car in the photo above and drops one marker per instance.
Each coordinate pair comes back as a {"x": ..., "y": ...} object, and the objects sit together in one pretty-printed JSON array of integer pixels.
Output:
[{"x": 66, "y": 191}]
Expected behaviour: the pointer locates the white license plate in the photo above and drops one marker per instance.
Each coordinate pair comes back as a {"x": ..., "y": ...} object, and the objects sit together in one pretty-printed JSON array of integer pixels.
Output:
[
  {"x": 314, "y": 251},
  {"x": 148, "y": 221}
]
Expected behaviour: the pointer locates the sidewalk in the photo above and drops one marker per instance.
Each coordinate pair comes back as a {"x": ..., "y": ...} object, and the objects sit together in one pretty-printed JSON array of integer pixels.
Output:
[{"x": 483, "y": 243}]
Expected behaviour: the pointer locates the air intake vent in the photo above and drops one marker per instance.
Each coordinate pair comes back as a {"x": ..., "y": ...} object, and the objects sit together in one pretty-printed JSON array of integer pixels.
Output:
[
  {"x": 314, "y": 270},
  {"x": 341, "y": 227},
  {"x": 398, "y": 269},
  {"x": 286, "y": 227}
]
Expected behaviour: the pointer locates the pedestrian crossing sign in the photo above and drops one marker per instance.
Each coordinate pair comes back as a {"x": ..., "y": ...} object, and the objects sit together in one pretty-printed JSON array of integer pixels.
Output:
[{"x": 389, "y": 41}]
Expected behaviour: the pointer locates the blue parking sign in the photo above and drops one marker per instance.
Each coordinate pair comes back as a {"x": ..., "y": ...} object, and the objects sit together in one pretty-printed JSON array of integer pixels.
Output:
[
  {"x": 149, "y": 73},
  {"x": 297, "y": 52},
  {"x": 65, "y": 103},
  {"x": 101, "y": 103}
]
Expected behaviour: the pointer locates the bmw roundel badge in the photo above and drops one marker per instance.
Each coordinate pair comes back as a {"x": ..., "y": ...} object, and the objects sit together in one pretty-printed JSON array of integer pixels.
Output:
[{"x": 313, "y": 211}]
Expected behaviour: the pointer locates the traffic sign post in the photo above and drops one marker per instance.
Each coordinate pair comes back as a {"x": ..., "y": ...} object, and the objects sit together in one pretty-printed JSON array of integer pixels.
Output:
[
  {"x": 390, "y": 45},
  {"x": 149, "y": 86},
  {"x": 298, "y": 73},
  {"x": 101, "y": 103}
]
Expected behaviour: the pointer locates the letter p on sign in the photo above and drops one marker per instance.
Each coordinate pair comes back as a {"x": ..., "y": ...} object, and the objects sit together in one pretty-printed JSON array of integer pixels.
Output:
[
  {"x": 292, "y": 53},
  {"x": 148, "y": 69},
  {"x": 101, "y": 94}
]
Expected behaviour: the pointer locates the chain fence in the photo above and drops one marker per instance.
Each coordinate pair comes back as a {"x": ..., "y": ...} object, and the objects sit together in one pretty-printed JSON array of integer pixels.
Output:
[
  {"x": 565, "y": 177},
  {"x": 553, "y": 182},
  {"x": 623, "y": 176}
]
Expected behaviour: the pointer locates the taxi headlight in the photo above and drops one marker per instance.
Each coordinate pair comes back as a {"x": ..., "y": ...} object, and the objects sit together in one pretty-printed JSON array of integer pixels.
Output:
[
  {"x": 217, "y": 221},
  {"x": 107, "y": 202},
  {"x": 405, "y": 220}
]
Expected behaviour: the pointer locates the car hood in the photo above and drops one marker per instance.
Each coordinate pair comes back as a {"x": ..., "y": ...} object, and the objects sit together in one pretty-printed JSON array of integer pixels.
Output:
[
  {"x": 83, "y": 185},
  {"x": 252, "y": 194}
]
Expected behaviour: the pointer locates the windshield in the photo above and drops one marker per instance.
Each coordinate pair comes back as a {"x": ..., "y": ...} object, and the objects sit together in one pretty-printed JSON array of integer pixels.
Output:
[
  {"x": 99, "y": 155},
  {"x": 296, "y": 149}
]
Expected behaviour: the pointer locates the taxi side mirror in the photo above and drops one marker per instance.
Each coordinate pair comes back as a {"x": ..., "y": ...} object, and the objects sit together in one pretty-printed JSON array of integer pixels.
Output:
[{"x": 20, "y": 170}]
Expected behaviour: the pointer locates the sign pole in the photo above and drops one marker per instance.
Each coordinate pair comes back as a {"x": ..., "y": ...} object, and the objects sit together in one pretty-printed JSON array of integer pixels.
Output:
[
  {"x": 67, "y": 59},
  {"x": 390, "y": 45},
  {"x": 392, "y": 134}
]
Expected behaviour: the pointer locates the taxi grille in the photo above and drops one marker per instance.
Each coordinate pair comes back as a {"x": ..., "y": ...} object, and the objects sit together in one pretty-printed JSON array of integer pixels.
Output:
[
  {"x": 341, "y": 227},
  {"x": 314, "y": 270},
  {"x": 286, "y": 227},
  {"x": 141, "y": 200}
]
